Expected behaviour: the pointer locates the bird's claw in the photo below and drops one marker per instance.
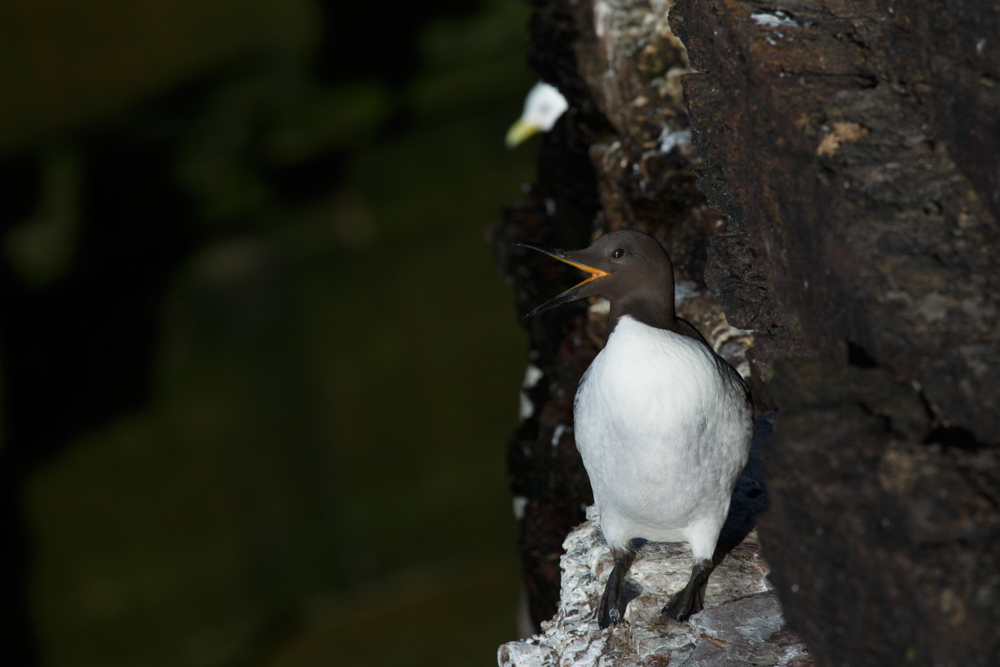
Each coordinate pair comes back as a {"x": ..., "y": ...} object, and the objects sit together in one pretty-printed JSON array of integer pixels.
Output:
[
  {"x": 612, "y": 611},
  {"x": 682, "y": 606},
  {"x": 688, "y": 601}
]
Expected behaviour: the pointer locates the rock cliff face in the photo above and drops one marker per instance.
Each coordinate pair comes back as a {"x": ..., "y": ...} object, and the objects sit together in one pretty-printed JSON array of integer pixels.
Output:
[
  {"x": 858, "y": 146},
  {"x": 839, "y": 202}
]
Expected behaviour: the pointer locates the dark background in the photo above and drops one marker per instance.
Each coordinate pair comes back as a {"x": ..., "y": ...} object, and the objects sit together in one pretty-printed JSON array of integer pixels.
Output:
[{"x": 257, "y": 370}]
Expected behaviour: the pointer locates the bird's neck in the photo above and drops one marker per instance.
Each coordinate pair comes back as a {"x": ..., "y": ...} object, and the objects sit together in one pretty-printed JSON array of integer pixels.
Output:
[{"x": 654, "y": 309}]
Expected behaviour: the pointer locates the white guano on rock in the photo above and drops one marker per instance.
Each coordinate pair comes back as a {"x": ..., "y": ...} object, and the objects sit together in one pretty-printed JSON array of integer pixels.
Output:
[{"x": 741, "y": 624}]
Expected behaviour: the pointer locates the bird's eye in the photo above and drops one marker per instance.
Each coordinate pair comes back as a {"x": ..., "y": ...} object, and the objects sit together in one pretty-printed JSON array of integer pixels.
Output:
[{"x": 618, "y": 253}]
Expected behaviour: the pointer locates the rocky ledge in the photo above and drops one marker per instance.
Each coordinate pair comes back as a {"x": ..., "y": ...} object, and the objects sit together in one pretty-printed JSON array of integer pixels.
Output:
[{"x": 742, "y": 623}]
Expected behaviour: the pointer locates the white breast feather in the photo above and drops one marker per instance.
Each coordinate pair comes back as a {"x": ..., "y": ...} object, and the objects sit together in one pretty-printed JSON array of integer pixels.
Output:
[{"x": 664, "y": 431}]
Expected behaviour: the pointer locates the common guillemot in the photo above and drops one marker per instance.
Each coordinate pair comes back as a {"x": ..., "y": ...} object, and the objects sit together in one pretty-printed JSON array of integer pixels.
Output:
[{"x": 664, "y": 425}]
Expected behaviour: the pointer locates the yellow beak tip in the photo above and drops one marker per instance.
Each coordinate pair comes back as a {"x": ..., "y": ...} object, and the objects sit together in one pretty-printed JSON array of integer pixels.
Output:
[{"x": 519, "y": 132}]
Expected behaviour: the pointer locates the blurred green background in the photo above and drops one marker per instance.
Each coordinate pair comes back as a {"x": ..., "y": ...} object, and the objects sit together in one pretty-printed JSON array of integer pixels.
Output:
[{"x": 258, "y": 369}]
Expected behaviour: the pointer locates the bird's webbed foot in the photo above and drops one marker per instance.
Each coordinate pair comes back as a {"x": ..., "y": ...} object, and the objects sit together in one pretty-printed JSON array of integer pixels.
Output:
[
  {"x": 619, "y": 591},
  {"x": 613, "y": 604},
  {"x": 691, "y": 599}
]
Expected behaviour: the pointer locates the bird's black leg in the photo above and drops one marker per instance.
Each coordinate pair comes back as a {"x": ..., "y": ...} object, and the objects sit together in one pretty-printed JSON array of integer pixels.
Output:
[
  {"x": 691, "y": 599},
  {"x": 619, "y": 591}
]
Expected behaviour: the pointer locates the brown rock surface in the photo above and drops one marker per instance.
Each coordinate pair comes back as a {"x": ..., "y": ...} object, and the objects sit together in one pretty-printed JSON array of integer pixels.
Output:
[
  {"x": 885, "y": 549},
  {"x": 855, "y": 147},
  {"x": 829, "y": 135}
]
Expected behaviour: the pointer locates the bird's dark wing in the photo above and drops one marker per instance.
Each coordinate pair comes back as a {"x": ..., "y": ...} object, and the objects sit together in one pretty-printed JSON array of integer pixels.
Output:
[{"x": 685, "y": 328}]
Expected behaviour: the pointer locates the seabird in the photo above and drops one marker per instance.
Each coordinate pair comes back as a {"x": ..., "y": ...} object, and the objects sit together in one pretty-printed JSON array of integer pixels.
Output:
[
  {"x": 664, "y": 425},
  {"x": 542, "y": 108}
]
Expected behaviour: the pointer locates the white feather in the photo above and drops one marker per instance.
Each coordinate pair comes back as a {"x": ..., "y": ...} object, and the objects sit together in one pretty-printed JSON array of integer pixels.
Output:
[{"x": 664, "y": 431}]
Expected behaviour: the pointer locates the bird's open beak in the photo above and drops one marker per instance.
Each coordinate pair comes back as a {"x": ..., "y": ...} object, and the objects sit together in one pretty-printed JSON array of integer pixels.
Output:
[
  {"x": 571, "y": 293},
  {"x": 519, "y": 132}
]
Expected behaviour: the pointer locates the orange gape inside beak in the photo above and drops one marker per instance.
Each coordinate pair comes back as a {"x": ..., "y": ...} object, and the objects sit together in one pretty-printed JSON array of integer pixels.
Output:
[
  {"x": 571, "y": 293},
  {"x": 594, "y": 273}
]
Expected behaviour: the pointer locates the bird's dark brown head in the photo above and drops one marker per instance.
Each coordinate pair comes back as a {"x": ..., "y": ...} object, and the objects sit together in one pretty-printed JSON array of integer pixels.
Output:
[{"x": 630, "y": 269}]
